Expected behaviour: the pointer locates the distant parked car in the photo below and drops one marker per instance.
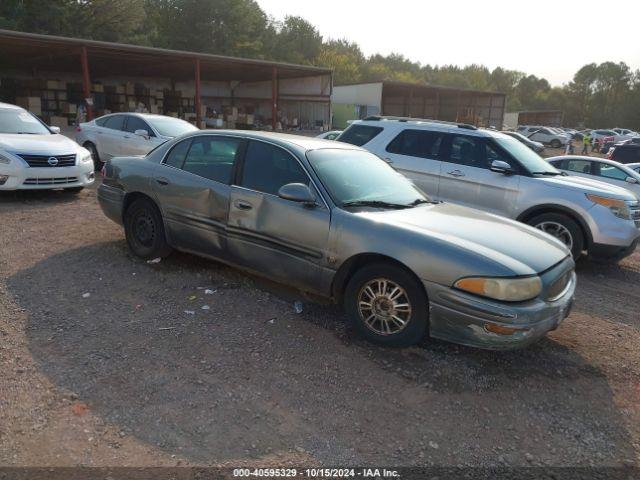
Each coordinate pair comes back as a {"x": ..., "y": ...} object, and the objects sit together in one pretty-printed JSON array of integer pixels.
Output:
[
  {"x": 535, "y": 146},
  {"x": 35, "y": 156},
  {"x": 634, "y": 166},
  {"x": 607, "y": 171},
  {"x": 632, "y": 140},
  {"x": 337, "y": 221},
  {"x": 605, "y": 134},
  {"x": 628, "y": 153},
  {"x": 625, "y": 132},
  {"x": 488, "y": 170},
  {"x": 123, "y": 134},
  {"x": 330, "y": 135},
  {"x": 545, "y": 135}
]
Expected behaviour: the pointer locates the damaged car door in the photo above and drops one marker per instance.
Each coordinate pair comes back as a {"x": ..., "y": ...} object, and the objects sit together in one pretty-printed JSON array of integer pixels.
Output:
[
  {"x": 192, "y": 188},
  {"x": 270, "y": 231}
]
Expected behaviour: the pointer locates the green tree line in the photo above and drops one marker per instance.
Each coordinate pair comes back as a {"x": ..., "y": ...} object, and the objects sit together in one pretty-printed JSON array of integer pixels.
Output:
[{"x": 600, "y": 95}]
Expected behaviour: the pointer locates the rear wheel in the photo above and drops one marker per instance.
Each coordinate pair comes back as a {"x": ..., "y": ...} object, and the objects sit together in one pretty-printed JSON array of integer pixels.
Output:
[
  {"x": 563, "y": 228},
  {"x": 387, "y": 305},
  {"x": 555, "y": 143},
  {"x": 144, "y": 230},
  {"x": 97, "y": 164}
]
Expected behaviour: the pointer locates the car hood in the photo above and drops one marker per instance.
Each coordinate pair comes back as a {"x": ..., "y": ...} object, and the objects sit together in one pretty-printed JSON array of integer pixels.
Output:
[
  {"x": 588, "y": 185},
  {"x": 520, "y": 248},
  {"x": 38, "y": 144}
]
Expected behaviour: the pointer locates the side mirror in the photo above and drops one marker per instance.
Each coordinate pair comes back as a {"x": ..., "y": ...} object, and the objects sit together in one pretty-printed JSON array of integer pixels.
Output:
[
  {"x": 54, "y": 129},
  {"x": 297, "y": 192},
  {"x": 631, "y": 180},
  {"x": 142, "y": 133},
  {"x": 499, "y": 166}
]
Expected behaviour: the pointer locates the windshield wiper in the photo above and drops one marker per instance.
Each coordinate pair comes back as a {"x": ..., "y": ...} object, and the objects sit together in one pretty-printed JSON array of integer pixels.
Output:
[
  {"x": 420, "y": 201},
  {"x": 375, "y": 203}
]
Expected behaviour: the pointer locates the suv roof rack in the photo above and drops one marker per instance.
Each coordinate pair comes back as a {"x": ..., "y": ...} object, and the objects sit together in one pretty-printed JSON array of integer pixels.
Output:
[{"x": 415, "y": 119}]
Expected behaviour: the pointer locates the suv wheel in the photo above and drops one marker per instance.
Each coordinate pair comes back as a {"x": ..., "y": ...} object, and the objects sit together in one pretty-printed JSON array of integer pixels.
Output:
[
  {"x": 555, "y": 143},
  {"x": 387, "y": 305},
  {"x": 144, "y": 230},
  {"x": 563, "y": 228}
]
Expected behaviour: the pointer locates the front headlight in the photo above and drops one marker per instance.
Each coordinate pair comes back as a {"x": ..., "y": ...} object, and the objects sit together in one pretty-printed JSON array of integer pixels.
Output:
[
  {"x": 4, "y": 158},
  {"x": 86, "y": 158},
  {"x": 619, "y": 208},
  {"x": 505, "y": 289}
]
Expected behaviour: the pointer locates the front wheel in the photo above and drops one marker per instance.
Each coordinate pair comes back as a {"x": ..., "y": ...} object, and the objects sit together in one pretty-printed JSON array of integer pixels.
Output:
[
  {"x": 387, "y": 305},
  {"x": 97, "y": 163},
  {"x": 144, "y": 230},
  {"x": 563, "y": 228}
]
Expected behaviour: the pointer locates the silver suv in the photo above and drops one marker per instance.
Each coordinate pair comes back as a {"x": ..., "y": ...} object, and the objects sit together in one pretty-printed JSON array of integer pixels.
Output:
[{"x": 490, "y": 171}]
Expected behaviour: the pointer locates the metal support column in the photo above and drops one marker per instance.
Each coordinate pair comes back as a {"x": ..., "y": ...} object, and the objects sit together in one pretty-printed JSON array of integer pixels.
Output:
[
  {"x": 197, "y": 98},
  {"x": 274, "y": 97},
  {"x": 86, "y": 82}
]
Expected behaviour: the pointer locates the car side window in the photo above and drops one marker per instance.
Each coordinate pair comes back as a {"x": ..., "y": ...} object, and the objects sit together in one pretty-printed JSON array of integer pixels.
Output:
[
  {"x": 135, "y": 123},
  {"x": 609, "y": 171},
  {"x": 416, "y": 143},
  {"x": 267, "y": 168},
  {"x": 115, "y": 122},
  {"x": 358, "y": 135},
  {"x": 579, "y": 166},
  {"x": 177, "y": 154},
  {"x": 100, "y": 121},
  {"x": 212, "y": 157},
  {"x": 467, "y": 151},
  {"x": 492, "y": 153}
]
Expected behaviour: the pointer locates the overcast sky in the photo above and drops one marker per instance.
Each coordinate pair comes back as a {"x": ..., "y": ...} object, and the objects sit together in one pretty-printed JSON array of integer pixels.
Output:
[{"x": 548, "y": 38}]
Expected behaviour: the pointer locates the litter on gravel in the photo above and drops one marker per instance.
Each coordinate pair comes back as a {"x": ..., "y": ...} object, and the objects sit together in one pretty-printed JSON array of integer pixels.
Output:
[
  {"x": 86, "y": 295},
  {"x": 209, "y": 292},
  {"x": 155, "y": 260},
  {"x": 297, "y": 306},
  {"x": 190, "y": 312},
  {"x": 205, "y": 307}
]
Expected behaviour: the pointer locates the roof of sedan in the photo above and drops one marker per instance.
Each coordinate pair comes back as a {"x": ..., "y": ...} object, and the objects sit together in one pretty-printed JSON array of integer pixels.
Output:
[
  {"x": 9, "y": 106},
  {"x": 301, "y": 141}
]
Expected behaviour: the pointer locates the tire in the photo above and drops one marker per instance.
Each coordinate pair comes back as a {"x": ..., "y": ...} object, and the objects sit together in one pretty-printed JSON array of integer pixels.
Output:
[
  {"x": 144, "y": 230},
  {"x": 561, "y": 226},
  {"x": 97, "y": 163},
  {"x": 555, "y": 143},
  {"x": 415, "y": 316},
  {"x": 74, "y": 190}
]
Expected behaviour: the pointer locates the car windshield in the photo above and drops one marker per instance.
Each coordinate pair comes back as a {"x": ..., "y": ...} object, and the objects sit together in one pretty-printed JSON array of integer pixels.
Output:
[
  {"x": 359, "y": 177},
  {"x": 170, "y": 127},
  {"x": 21, "y": 122},
  {"x": 530, "y": 160}
]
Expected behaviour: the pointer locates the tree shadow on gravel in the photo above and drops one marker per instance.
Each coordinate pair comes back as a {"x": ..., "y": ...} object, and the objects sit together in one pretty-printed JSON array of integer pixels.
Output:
[{"x": 248, "y": 376}]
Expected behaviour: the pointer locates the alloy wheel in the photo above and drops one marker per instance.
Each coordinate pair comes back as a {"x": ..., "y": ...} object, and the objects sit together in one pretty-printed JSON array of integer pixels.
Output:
[
  {"x": 557, "y": 230},
  {"x": 384, "y": 306}
]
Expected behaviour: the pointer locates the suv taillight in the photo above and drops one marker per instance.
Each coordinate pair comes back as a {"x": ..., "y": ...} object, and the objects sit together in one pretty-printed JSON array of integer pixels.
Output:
[{"x": 78, "y": 129}]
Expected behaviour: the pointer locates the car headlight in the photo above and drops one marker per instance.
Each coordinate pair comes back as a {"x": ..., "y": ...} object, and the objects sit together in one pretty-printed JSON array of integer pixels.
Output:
[
  {"x": 86, "y": 158},
  {"x": 620, "y": 208},
  {"x": 505, "y": 289},
  {"x": 4, "y": 158}
]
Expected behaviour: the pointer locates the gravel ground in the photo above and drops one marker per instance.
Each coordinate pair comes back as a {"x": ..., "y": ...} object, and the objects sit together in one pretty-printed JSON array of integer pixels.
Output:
[{"x": 101, "y": 366}]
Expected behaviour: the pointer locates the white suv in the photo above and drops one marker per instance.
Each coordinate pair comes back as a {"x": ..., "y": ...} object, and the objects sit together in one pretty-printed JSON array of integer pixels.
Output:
[
  {"x": 488, "y": 170},
  {"x": 547, "y": 135},
  {"x": 34, "y": 156}
]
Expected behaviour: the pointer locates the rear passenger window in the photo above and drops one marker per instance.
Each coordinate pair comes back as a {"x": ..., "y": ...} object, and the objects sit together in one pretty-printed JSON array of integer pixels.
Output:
[
  {"x": 100, "y": 121},
  {"x": 467, "y": 151},
  {"x": 579, "y": 166},
  {"x": 359, "y": 134},
  {"x": 416, "y": 143},
  {"x": 212, "y": 158},
  {"x": 267, "y": 168},
  {"x": 176, "y": 156},
  {"x": 135, "y": 123},
  {"x": 115, "y": 122}
]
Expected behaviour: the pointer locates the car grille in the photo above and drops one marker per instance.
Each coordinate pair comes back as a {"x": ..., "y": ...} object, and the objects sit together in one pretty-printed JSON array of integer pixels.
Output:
[
  {"x": 43, "y": 160},
  {"x": 559, "y": 287},
  {"x": 50, "y": 181}
]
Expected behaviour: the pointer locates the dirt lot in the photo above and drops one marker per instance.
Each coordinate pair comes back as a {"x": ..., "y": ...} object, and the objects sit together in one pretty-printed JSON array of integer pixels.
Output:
[{"x": 123, "y": 376}]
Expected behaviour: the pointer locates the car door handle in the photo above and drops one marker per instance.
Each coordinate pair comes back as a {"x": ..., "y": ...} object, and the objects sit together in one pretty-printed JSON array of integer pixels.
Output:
[
  {"x": 456, "y": 173},
  {"x": 162, "y": 181},
  {"x": 127, "y": 136},
  {"x": 388, "y": 160},
  {"x": 242, "y": 205}
]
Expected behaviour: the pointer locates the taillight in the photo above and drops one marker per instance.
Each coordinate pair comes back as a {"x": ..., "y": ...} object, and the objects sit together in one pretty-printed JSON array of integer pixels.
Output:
[
  {"x": 610, "y": 153},
  {"x": 78, "y": 129}
]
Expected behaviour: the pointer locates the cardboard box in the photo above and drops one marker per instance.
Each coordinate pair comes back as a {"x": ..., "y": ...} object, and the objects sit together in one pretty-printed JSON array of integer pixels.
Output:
[
  {"x": 52, "y": 85},
  {"x": 120, "y": 89},
  {"x": 97, "y": 88},
  {"x": 69, "y": 108},
  {"x": 129, "y": 88}
]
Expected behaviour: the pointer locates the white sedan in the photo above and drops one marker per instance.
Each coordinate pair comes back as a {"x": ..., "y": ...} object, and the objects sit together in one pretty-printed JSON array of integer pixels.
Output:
[
  {"x": 128, "y": 134},
  {"x": 601, "y": 169},
  {"x": 34, "y": 156}
]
